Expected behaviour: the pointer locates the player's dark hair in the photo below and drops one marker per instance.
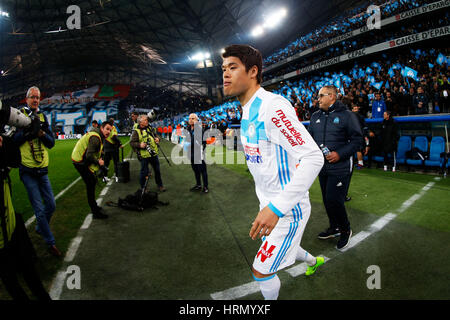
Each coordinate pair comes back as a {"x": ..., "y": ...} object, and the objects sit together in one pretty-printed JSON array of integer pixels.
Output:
[{"x": 248, "y": 55}]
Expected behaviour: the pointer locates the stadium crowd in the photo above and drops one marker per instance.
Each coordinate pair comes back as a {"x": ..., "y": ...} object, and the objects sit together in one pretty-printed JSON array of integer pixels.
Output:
[{"x": 349, "y": 20}]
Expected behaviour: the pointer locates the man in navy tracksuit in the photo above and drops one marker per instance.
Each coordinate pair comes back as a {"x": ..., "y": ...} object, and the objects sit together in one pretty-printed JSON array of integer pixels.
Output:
[{"x": 338, "y": 133}]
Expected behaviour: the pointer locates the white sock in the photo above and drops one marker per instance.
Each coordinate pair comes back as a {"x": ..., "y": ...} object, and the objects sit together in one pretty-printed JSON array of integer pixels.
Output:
[
  {"x": 270, "y": 288},
  {"x": 305, "y": 256},
  {"x": 360, "y": 162}
]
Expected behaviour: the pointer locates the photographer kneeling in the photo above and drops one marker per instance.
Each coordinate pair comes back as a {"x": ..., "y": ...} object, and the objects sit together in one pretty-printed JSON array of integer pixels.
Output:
[
  {"x": 87, "y": 159},
  {"x": 145, "y": 143}
]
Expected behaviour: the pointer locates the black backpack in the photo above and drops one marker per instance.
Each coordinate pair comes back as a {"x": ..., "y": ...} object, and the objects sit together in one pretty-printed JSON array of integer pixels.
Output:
[
  {"x": 417, "y": 154},
  {"x": 140, "y": 202}
]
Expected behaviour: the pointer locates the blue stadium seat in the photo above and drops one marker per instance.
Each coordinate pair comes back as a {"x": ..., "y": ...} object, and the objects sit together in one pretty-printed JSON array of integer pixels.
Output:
[
  {"x": 404, "y": 145},
  {"x": 437, "y": 146},
  {"x": 379, "y": 158},
  {"x": 421, "y": 143}
]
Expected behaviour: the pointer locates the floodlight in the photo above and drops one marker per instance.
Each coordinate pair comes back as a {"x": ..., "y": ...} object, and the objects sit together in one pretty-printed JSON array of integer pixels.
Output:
[{"x": 257, "y": 31}]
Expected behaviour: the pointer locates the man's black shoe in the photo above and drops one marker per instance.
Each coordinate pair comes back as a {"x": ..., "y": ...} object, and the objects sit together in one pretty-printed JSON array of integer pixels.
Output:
[
  {"x": 196, "y": 188},
  {"x": 205, "y": 190},
  {"x": 100, "y": 214},
  {"x": 329, "y": 233},
  {"x": 344, "y": 240},
  {"x": 347, "y": 198}
]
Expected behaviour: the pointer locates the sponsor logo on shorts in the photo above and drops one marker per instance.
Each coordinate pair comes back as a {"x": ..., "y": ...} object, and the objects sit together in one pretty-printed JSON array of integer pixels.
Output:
[{"x": 264, "y": 253}]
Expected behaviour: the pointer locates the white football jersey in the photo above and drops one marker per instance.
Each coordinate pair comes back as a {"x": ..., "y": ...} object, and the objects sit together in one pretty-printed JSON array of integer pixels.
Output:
[{"x": 281, "y": 155}]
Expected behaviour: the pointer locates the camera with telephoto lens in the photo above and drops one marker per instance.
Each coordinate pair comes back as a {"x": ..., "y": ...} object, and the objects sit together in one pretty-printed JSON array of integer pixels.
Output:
[{"x": 14, "y": 118}]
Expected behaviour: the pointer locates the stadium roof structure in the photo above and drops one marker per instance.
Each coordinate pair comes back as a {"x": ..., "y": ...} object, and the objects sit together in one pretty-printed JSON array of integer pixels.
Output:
[{"x": 139, "y": 41}]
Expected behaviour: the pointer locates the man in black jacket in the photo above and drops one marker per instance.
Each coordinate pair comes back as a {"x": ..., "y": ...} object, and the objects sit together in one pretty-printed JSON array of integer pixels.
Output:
[
  {"x": 197, "y": 154},
  {"x": 389, "y": 139},
  {"x": 337, "y": 132}
]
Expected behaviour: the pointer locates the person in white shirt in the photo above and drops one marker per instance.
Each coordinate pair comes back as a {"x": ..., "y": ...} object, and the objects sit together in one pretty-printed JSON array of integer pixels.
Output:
[{"x": 284, "y": 161}]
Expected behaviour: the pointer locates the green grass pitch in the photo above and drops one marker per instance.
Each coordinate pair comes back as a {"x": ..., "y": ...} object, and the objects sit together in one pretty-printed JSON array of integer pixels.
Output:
[{"x": 199, "y": 244}]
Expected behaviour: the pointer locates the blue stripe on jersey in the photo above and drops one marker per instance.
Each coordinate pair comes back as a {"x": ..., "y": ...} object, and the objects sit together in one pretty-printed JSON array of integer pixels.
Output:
[
  {"x": 279, "y": 169},
  {"x": 257, "y": 131},
  {"x": 290, "y": 237},
  {"x": 296, "y": 211},
  {"x": 283, "y": 169},
  {"x": 275, "y": 210}
]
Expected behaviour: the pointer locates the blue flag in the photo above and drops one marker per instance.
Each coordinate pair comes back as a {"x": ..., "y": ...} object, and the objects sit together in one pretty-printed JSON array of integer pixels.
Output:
[
  {"x": 441, "y": 59},
  {"x": 361, "y": 73},
  {"x": 430, "y": 65},
  {"x": 377, "y": 85},
  {"x": 408, "y": 72},
  {"x": 391, "y": 72},
  {"x": 368, "y": 70},
  {"x": 387, "y": 86}
]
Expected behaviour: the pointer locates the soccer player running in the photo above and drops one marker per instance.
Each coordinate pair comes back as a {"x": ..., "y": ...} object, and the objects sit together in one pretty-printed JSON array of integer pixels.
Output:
[{"x": 284, "y": 161}]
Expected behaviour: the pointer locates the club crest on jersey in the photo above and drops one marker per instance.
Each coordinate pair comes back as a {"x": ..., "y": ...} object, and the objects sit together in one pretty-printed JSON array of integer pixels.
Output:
[
  {"x": 251, "y": 130},
  {"x": 252, "y": 154},
  {"x": 336, "y": 120},
  {"x": 265, "y": 253}
]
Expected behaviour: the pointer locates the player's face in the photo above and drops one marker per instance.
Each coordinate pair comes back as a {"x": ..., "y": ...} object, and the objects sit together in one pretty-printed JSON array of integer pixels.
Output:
[{"x": 236, "y": 80}]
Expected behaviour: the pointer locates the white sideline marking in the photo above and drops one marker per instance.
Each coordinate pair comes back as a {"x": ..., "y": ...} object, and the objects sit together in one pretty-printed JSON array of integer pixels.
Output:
[
  {"x": 104, "y": 191},
  {"x": 59, "y": 195},
  {"x": 357, "y": 238},
  {"x": 383, "y": 221},
  {"x": 57, "y": 285},
  {"x": 87, "y": 222},
  {"x": 408, "y": 203},
  {"x": 253, "y": 287},
  {"x": 59, "y": 280},
  {"x": 73, "y": 249}
]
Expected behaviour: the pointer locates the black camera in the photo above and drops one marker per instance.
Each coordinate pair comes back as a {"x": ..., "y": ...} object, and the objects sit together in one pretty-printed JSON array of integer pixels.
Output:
[{"x": 150, "y": 150}]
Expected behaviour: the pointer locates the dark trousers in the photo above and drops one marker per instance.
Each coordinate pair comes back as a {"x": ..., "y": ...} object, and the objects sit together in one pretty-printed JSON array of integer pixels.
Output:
[
  {"x": 17, "y": 258},
  {"x": 154, "y": 162},
  {"x": 200, "y": 170},
  {"x": 392, "y": 161},
  {"x": 114, "y": 155},
  {"x": 90, "y": 180},
  {"x": 334, "y": 189}
]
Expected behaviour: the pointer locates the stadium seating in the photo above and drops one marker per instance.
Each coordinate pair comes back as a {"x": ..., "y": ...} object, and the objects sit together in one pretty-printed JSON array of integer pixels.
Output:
[
  {"x": 421, "y": 143},
  {"x": 437, "y": 146},
  {"x": 404, "y": 145}
]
